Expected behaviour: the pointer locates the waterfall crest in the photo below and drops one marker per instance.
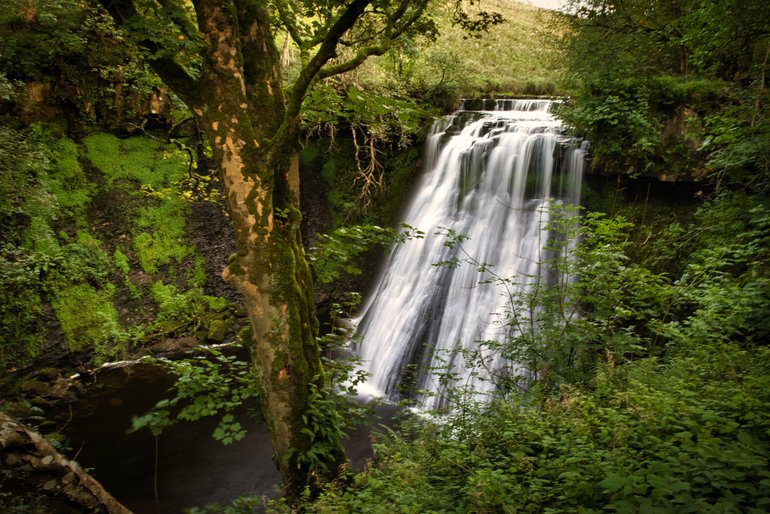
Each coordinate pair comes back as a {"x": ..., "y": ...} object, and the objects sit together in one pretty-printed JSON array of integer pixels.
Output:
[{"x": 491, "y": 175}]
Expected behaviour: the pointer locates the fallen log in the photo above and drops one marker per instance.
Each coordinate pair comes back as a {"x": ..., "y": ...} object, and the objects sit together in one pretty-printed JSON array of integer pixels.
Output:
[{"x": 32, "y": 460}]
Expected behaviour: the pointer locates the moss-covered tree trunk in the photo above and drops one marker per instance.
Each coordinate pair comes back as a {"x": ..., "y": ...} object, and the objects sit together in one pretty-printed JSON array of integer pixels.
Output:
[
  {"x": 252, "y": 123},
  {"x": 238, "y": 102},
  {"x": 240, "y": 112}
]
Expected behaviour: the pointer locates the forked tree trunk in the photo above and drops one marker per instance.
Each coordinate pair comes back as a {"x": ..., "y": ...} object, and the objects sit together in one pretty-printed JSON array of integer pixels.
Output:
[
  {"x": 271, "y": 273},
  {"x": 238, "y": 101},
  {"x": 239, "y": 115}
]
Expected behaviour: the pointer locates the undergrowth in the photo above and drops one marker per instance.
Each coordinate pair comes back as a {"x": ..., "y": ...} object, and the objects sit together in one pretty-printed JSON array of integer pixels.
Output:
[{"x": 59, "y": 247}]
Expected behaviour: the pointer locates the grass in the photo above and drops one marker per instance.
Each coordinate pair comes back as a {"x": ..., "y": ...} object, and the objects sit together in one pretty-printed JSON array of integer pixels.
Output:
[{"x": 515, "y": 57}]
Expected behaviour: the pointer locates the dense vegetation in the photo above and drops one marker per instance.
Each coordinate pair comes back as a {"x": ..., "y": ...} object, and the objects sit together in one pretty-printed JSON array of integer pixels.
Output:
[
  {"x": 686, "y": 94},
  {"x": 654, "y": 399}
]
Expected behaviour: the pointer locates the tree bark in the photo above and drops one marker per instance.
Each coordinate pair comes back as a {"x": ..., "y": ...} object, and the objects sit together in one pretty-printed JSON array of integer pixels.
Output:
[
  {"x": 34, "y": 461},
  {"x": 242, "y": 109},
  {"x": 239, "y": 103}
]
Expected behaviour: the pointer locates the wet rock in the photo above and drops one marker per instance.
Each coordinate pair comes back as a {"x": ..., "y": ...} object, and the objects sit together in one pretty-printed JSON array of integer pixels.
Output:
[
  {"x": 34, "y": 387},
  {"x": 173, "y": 345}
]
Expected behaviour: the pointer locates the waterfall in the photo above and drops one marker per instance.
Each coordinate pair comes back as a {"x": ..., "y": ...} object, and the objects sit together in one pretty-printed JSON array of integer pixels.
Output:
[{"x": 491, "y": 176}]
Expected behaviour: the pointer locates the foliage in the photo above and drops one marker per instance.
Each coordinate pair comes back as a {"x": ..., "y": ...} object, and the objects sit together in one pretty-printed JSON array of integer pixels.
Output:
[
  {"x": 631, "y": 424},
  {"x": 686, "y": 94},
  {"x": 44, "y": 188},
  {"x": 738, "y": 143},
  {"x": 337, "y": 252},
  {"x": 52, "y": 253},
  {"x": 159, "y": 231},
  {"x": 684, "y": 437},
  {"x": 24, "y": 204},
  {"x": 512, "y": 57},
  {"x": 725, "y": 285},
  {"x": 78, "y": 56},
  {"x": 66, "y": 179},
  {"x": 187, "y": 312},
  {"x": 161, "y": 244},
  {"x": 206, "y": 385},
  {"x": 135, "y": 158},
  {"x": 586, "y": 305},
  {"x": 242, "y": 505},
  {"x": 21, "y": 315}
]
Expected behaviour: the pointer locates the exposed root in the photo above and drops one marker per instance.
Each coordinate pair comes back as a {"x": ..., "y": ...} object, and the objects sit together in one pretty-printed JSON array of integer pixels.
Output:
[{"x": 370, "y": 178}]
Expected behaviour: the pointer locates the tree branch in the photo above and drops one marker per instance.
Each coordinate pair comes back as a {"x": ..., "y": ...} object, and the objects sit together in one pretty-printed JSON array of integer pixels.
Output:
[
  {"x": 287, "y": 19},
  {"x": 354, "y": 62},
  {"x": 171, "y": 72},
  {"x": 175, "y": 12},
  {"x": 289, "y": 129},
  {"x": 392, "y": 32},
  {"x": 401, "y": 20},
  {"x": 261, "y": 60}
]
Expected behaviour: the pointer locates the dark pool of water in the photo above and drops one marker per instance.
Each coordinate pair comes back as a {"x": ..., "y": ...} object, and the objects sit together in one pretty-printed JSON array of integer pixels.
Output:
[{"x": 184, "y": 466}]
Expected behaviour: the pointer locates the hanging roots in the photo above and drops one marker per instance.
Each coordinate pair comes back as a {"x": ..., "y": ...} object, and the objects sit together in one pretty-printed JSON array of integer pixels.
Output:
[
  {"x": 321, "y": 129},
  {"x": 369, "y": 178}
]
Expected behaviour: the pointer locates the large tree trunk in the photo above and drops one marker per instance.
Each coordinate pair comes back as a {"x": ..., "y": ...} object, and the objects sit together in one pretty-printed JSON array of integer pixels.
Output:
[
  {"x": 239, "y": 102},
  {"x": 35, "y": 463},
  {"x": 239, "y": 115},
  {"x": 271, "y": 273}
]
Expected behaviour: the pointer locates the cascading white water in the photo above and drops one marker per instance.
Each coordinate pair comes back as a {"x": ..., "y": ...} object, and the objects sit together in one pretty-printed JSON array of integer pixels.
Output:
[{"x": 490, "y": 177}]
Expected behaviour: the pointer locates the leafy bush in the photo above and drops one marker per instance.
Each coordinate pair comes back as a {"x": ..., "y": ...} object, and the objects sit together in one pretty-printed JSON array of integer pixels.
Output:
[
  {"x": 689, "y": 436},
  {"x": 65, "y": 178},
  {"x": 173, "y": 305},
  {"x": 726, "y": 283},
  {"x": 81, "y": 261},
  {"x": 338, "y": 252},
  {"x": 206, "y": 385},
  {"x": 43, "y": 186},
  {"x": 27, "y": 207},
  {"x": 21, "y": 316},
  {"x": 661, "y": 396}
]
